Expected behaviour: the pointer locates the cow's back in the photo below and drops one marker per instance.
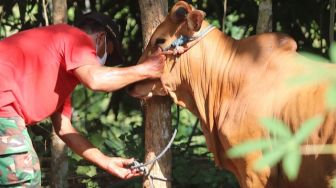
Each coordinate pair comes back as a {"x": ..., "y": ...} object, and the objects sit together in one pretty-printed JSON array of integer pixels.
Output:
[
  {"x": 268, "y": 62},
  {"x": 259, "y": 47}
]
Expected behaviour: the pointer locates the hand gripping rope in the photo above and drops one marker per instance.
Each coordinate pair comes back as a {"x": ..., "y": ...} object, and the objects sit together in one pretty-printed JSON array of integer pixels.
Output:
[{"x": 142, "y": 166}]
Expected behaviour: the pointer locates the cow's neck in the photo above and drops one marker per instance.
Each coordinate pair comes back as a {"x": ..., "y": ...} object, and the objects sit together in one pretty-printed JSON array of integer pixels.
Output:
[{"x": 204, "y": 79}]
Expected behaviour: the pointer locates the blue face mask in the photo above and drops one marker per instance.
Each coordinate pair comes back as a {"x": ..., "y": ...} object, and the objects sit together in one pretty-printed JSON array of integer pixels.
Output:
[{"x": 102, "y": 60}]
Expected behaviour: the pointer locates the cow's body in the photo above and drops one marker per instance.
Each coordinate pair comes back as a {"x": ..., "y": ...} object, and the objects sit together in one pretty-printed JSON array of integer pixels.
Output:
[{"x": 231, "y": 84}]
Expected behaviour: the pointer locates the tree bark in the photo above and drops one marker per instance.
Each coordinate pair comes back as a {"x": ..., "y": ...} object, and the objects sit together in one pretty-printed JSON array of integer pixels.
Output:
[
  {"x": 152, "y": 14},
  {"x": 332, "y": 21},
  {"x": 265, "y": 17},
  {"x": 59, "y": 160},
  {"x": 158, "y": 123},
  {"x": 224, "y": 14},
  {"x": 60, "y": 11},
  {"x": 158, "y": 131}
]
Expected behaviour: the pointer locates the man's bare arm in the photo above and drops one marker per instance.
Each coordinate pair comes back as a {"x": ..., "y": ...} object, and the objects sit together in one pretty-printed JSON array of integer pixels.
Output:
[
  {"x": 80, "y": 145},
  {"x": 101, "y": 78}
]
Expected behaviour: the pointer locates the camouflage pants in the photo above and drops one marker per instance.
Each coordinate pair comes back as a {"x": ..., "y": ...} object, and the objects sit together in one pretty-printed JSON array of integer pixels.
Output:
[{"x": 19, "y": 164}]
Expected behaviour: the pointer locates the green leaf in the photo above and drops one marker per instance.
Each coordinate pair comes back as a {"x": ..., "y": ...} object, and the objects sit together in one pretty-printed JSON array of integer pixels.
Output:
[
  {"x": 313, "y": 57},
  {"x": 248, "y": 147},
  {"x": 97, "y": 140},
  {"x": 270, "y": 158},
  {"x": 332, "y": 52},
  {"x": 331, "y": 96},
  {"x": 306, "y": 128},
  {"x": 307, "y": 79},
  {"x": 86, "y": 170},
  {"x": 76, "y": 157},
  {"x": 115, "y": 144},
  {"x": 333, "y": 183},
  {"x": 291, "y": 163},
  {"x": 301, "y": 80},
  {"x": 276, "y": 127}
]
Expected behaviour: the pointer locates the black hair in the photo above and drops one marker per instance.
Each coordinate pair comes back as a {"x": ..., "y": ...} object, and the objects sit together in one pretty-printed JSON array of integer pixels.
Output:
[
  {"x": 94, "y": 22},
  {"x": 91, "y": 26}
]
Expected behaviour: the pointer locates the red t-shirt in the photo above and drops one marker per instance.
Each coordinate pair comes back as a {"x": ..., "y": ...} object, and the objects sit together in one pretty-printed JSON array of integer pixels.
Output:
[{"x": 36, "y": 70}]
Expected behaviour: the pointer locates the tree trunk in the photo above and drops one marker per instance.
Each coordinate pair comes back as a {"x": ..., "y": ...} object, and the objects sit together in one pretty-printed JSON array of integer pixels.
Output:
[
  {"x": 60, "y": 11},
  {"x": 224, "y": 14},
  {"x": 152, "y": 14},
  {"x": 59, "y": 160},
  {"x": 158, "y": 122},
  {"x": 158, "y": 131},
  {"x": 332, "y": 21},
  {"x": 265, "y": 16}
]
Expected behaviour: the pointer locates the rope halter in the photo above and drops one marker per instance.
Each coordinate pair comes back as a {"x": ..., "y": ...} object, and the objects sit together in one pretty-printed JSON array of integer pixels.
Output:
[{"x": 177, "y": 44}]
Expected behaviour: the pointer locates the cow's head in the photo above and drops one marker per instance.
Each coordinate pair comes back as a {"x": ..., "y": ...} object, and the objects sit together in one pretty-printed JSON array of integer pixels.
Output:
[{"x": 183, "y": 19}]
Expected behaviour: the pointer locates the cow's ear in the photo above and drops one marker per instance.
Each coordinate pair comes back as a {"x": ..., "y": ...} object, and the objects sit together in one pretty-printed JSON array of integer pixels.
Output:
[
  {"x": 195, "y": 19},
  {"x": 180, "y": 11}
]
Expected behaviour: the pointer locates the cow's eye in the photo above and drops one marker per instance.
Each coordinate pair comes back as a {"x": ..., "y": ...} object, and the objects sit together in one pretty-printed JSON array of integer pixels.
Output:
[{"x": 160, "y": 41}]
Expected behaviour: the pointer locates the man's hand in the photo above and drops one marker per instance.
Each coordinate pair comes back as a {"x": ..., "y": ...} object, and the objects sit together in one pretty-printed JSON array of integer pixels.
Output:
[
  {"x": 153, "y": 64},
  {"x": 80, "y": 145},
  {"x": 119, "y": 167}
]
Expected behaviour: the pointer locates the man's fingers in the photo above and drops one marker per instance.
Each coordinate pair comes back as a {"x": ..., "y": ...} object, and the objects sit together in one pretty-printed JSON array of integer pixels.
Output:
[
  {"x": 127, "y": 162},
  {"x": 122, "y": 172},
  {"x": 157, "y": 51},
  {"x": 168, "y": 52},
  {"x": 131, "y": 175},
  {"x": 176, "y": 51}
]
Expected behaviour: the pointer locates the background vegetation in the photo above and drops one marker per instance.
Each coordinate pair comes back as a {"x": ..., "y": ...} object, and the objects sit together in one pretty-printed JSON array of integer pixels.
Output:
[{"x": 113, "y": 121}]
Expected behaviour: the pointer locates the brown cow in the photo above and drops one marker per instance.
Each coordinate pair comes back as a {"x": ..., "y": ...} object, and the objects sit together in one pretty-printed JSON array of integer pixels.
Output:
[{"x": 230, "y": 84}]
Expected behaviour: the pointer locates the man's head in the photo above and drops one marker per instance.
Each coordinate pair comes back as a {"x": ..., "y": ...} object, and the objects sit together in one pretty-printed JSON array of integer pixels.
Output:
[{"x": 105, "y": 33}]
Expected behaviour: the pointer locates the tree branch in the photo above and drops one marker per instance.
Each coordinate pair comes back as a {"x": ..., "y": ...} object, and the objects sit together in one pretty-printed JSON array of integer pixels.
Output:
[
  {"x": 224, "y": 14},
  {"x": 191, "y": 136},
  {"x": 45, "y": 15}
]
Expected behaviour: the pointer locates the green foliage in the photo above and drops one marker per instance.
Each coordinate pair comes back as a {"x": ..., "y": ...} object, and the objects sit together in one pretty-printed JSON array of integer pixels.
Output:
[
  {"x": 282, "y": 145},
  {"x": 314, "y": 57},
  {"x": 204, "y": 174},
  {"x": 190, "y": 149},
  {"x": 331, "y": 96},
  {"x": 318, "y": 74},
  {"x": 332, "y": 53},
  {"x": 277, "y": 128},
  {"x": 86, "y": 170},
  {"x": 90, "y": 184},
  {"x": 333, "y": 183},
  {"x": 248, "y": 147},
  {"x": 236, "y": 31}
]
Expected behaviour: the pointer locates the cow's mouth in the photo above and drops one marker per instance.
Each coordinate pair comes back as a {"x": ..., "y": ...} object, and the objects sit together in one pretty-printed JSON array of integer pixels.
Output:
[
  {"x": 141, "y": 96},
  {"x": 142, "y": 89},
  {"x": 146, "y": 89}
]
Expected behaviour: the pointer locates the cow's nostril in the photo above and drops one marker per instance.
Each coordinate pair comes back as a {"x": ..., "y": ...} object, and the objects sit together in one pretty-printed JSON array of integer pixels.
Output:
[{"x": 159, "y": 41}]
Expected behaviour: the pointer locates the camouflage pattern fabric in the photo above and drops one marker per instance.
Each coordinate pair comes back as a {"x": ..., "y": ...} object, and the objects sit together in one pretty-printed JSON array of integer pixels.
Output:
[{"x": 19, "y": 164}]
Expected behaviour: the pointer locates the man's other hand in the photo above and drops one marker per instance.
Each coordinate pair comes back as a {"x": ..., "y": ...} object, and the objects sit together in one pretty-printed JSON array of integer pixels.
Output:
[
  {"x": 118, "y": 166},
  {"x": 154, "y": 64}
]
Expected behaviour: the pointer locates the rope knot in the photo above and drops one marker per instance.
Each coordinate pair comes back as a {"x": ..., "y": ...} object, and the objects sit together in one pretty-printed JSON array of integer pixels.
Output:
[{"x": 139, "y": 166}]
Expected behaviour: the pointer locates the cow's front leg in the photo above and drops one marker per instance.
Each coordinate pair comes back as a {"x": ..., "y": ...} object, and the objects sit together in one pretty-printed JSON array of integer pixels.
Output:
[
  {"x": 243, "y": 167},
  {"x": 247, "y": 176}
]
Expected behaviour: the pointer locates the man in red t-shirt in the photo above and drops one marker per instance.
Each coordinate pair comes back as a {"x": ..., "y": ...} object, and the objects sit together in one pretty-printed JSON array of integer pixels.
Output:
[{"x": 39, "y": 69}]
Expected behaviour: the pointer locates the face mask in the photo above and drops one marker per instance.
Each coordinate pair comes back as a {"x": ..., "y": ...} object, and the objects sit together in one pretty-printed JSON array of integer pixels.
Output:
[{"x": 102, "y": 60}]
